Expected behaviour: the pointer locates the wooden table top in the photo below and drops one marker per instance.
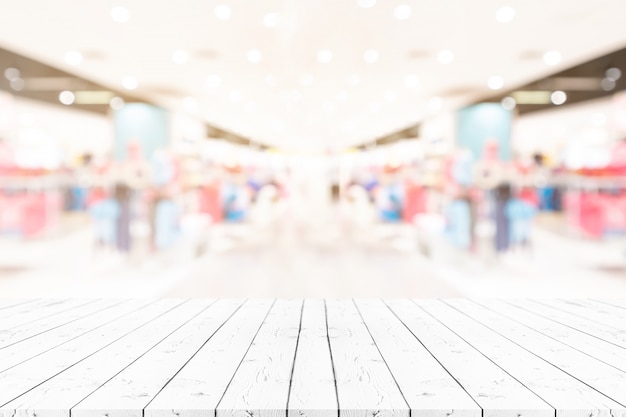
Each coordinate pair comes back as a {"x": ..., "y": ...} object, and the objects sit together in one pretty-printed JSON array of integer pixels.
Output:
[{"x": 312, "y": 358}]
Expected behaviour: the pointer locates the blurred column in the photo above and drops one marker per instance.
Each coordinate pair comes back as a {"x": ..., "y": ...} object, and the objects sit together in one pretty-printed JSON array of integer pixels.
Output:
[
  {"x": 482, "y": 125},
  {"x": 140, "y": 126}
]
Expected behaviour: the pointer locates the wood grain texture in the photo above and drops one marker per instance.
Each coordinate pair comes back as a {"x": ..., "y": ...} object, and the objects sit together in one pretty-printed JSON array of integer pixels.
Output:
[{"x": 312, "y": 358}]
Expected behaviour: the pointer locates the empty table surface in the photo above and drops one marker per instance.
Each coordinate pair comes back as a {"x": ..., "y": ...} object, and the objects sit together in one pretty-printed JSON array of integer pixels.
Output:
[{"x": 312, "y": 357}]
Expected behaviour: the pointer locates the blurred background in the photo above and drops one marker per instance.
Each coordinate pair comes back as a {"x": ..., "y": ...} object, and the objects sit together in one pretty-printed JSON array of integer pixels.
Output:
[{"x": 278, "y": 148}]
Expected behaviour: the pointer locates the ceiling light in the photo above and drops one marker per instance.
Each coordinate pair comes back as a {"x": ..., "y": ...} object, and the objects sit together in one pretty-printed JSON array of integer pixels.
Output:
[
  {"x": 402, "y": 12},
  {"x": 130, "y": 83},
  {"x": 390, "y": 95},
  {"x": 532, "y": 97},
  {"x": 552, "y": 58},
  {"x": 180, "y": 57},
  {"x": 270, "y": 19},
  {"x": 370, "y": 56},
  {"x": 496, "y": 82},
  {"x": 366, "y": 3},
  {"x": 12, "y": 73},
  {"x": 213, "y": 81},
  {"x": 73, "y": 57},
  {"x": 342, "y": 95},
  {"x": 116, "y": 103},
  {"x": 306, "y": 79},
  {"x": 435, "y": 104},
  {"x": 190, "y": 104},
  {"x": 445, "y": 57},
  {"x": 66, "y": 97},
  {"x": 613, "y": 73},
  {"x": 254, "y": 56},
  {"x": 222, "y": 12},
  {"x": 412, "y": 81},
  {"x": 93, "y": 97},
  {"x": 18, "y": 84},
  {"x": 508, "y": 103},
  {"x": 505, "y": 14},
  {"x": 324, "y": 56},
  {"x": 120, "y": 14},
  {"x": 354, "y": 79},
  {"x": 608, "y": 84},
  {"x": 558, "y": 98}
]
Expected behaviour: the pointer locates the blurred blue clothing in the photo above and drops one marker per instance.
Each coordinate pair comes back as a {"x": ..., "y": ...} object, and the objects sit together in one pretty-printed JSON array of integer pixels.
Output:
[
  {"x": 459, "y": 223},
  {"x": 520, "y": 215},
  {"x": 105, "y": 214},
  {"x": 166, "y": 223}
]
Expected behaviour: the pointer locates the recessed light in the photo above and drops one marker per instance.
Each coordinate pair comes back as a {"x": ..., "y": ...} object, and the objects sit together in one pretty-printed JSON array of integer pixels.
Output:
[
  {"x": 445, "y": 57},
  {"x": 73, "y": 57},
  {"x": 371, "y": 56},
  {"x": 412, "y": 81},
  {"x": 270, "y": 19},
  {"x": 613, "y": 73},
  {"x": 116, "y": 103},
  {"x": 505, "y": 14},
  {"x": 222, "y": 12},
  {"x": 558, "y": 97},
  {"x": 180, "y": 57},
  {"x": 390, "y": 95},
  {"x": 120, "y": 14},
  {"x": 324, "y": 56},
  {"x": 66, "y": 97},
  {"x": 213, "y": 81},
  {"x": 254, "y": 56},
  {"x": 608, "y": 84},
  {"x": 12, "y": 73},
  {"x": 130, "y": 83},
  {"x": 366, "y": 3},
  {"x": 17, "y": 84},
  {"x": 402, "y": 11},
  {"x": 508, "y": 103},
  {"x": 552, "y": 58},
  {"x": 495, "y": 83}
]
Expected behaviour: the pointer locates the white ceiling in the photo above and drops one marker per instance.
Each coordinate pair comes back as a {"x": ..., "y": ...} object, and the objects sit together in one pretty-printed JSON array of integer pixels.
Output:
[{"x": 289, "y": 99}]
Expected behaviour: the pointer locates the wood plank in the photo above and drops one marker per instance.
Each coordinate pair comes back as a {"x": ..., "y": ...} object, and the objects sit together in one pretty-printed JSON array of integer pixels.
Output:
[
  {"x": 20, "y": 352},
  {"x": 28, "y": 375},
  {"x": 497, "y": 393},
  {"x": 592, "y": 346},
  {"x": 598, "y": 375},
  {"x": 25, "y": 313},
  {"x": 6, "y": 303},
  {"x": 569, "y": 396},
  {"x": 428, "y": 387},
  {"x": 365, "y": 386},
  {"x": 71, "y": 386},
  {"x": 312, "y": 391},
  {"x": 260, "y": 387},
  {"x": 597, "y": 312},
  {"x": 131, "y": 390},
  {"x": 197, "y": 388},
  {"x": 46, "y": 313},
  {"x": 21, "y": 333},
  {"x": 580, "y": 324}
]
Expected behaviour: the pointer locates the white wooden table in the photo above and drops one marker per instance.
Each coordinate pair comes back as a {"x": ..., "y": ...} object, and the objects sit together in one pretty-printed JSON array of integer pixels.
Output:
[{"x": 361, "y": 358}]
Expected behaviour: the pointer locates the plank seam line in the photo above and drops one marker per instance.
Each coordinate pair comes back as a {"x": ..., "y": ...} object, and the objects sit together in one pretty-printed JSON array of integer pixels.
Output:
[
  {"x": 332, "y": 359},
  {"x": 608, "y": 304},
  {"x": 191, "y": 357},
  {"x": 51, "y": 315},
  {"x": 41, "y": 304},
  {"x": 61, "y": 325},
  {"x": 295, "y": 354},
  {"x": 553, "y": 338},
  {"x": 574, "y": 314},
  {"x": 483, "y": 354},
  {"x": 435, "y": 358},
  {"x": 80, "y": 335},
  {"x": 145, "y": 353},
  {"x": 93, "y": 353},
  {"x": 20, "y": 303},
  {"x": 534, "y": 354},
  {"x": 382, "y": 357},
  {"x": 243, "y": 357},
  {"x": 597, "y": 304},
  {"x": 564, "y": 324}
]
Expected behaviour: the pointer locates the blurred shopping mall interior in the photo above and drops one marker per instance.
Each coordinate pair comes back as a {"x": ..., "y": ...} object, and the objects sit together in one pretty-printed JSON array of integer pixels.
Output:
[{"x": 287, "y": 148}]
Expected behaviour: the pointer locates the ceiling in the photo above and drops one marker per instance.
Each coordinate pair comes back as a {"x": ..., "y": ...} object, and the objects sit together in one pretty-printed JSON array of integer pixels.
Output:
[{"x": 289, "y": 98}]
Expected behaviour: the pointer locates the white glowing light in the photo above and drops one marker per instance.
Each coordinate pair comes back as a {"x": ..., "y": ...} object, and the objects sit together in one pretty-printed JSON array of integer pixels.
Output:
[
  {"x": 324, "y": 56},
  {"x": 130, "y": 83},
  {"x": 116, "y": 103},
  {"x": 254, "y": 56},
  {"x": 558, "y": 97},
  {"x": 213, "y": 81},
  {"x": 270, "y": 20},
  {"x": 120, "y": 14},
  {"x": 366, "y": 3},
  {"x": 222, "y": 12},
  {"x": 445, "y": 57},
  {"x": 180, "y": 57},
  {"x": 67, "y": 98},
  {"x": 73, "y": 57},
  {"x": 371, "y": 56},
  {"x": 508, "y": 103},
  {"x": 505, "y": 14},
  {"x": 552, "y": 58},
  {"x": 402, "y": 12},
  {"x": 495, "y": 83},
  {"x": 412, "y": 81}
]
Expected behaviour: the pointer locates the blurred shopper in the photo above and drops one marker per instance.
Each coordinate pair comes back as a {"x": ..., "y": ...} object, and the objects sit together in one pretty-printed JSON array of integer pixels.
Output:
[
  {"x": 123, "y": 198},
  {"x": 502, "y": 196},
  {"x": 166, "y": 222},
  {"x": 520, "y": 214},
  {"x": 459, "y": 222},
  {"x": 104, "y": 212}
]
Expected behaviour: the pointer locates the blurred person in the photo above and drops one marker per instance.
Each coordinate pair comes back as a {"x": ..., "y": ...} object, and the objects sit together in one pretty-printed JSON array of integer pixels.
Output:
[
  {"x": 123, "y": 198},
  {"x": 104, "y": 212},
  {"x": 166, "y": 221},
  {"x": 520, "y": 214},
  {"x": 459, "y": 224},
  {"x": 502, "y": 196}
]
